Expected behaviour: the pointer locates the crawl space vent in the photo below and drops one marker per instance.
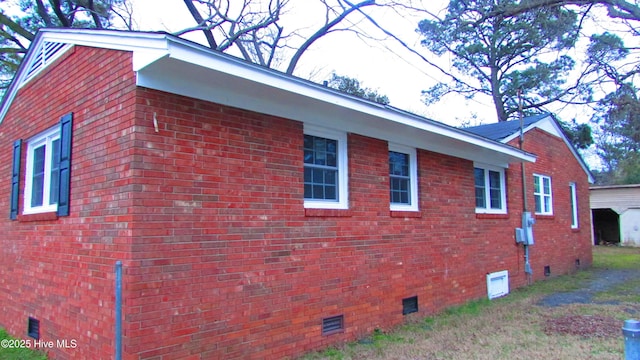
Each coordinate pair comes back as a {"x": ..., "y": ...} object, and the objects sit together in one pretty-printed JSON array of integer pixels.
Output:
[
  {"x": 33, "y": 328},
  {"x": 409, "y": 305},
  {"x": 498, "y": 284},
  {"x": 332, "y": 324},
  {"x": 547, "y": 270}
]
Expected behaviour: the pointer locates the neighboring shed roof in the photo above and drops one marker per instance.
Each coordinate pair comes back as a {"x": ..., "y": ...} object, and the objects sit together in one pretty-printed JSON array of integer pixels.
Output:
[
  {"x": 508, "y": 130},
  {"x": 616, "y": 197},
  {"x": 605, "y": 187},
  {"x": 168, "y": 63}
]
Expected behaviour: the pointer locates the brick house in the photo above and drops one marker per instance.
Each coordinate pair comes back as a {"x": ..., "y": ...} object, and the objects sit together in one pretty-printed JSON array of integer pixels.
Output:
[
  {"x": 256, "y": 215},
  {"x": 558, "y": 180}
]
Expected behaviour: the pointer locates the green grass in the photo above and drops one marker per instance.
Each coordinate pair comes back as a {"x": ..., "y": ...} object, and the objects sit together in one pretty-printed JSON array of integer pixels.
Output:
[
  {"x": 13, "y": 351},
  {"x": 612, "y": 257},
  {"x": 553, "y": 285},
  {"x": 618, "y": 258},
  {"x": 471, "y": 308}
]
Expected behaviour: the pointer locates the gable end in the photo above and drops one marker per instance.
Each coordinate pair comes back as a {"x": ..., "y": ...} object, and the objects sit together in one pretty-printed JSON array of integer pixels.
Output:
[{"x": 43, "y": 57}]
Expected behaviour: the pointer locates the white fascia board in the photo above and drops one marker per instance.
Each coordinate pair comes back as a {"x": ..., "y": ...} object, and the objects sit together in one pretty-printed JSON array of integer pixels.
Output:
[
  {"x": 551, "y": 126},
  {"x": 108, "y": 39},
  {"x": 20, "y": 75},
  {"x": 272, "y": 92},
  {"x": 454, "y": 134},
  {"x": 298, "y": 90},
  {"x": 146, "y": 48},
  {"x": 189, "y": 52},
  {"x": 173, "y": 76},
  {"x": 546, "y": 124}
]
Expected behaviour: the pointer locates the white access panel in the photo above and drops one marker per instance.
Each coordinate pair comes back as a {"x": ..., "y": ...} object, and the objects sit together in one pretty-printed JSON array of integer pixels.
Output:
[{"x": 498, "y": 284}]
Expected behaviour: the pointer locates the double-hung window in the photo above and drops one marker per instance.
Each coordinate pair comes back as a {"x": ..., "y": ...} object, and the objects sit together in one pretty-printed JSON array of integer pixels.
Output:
[
  {"x": 42, "y": 183},
  {"x": 542, "y": 194},
  {"x": 47, "y": 172},
  {"x": 574, "y": 205},
  {"x": 403, "y": 178},
  {"x": 490, "y": 189},
  {"x": 325, "y": 168}
]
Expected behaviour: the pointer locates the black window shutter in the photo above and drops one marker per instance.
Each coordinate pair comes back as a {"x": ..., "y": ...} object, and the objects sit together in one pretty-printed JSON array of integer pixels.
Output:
[
  {"x": 66, "y": 127},
  {"x": 15, "y": 179}
]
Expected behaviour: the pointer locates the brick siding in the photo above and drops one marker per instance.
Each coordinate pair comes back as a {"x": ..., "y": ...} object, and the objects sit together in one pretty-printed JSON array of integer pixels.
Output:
[{"x": 221, "y": 260}]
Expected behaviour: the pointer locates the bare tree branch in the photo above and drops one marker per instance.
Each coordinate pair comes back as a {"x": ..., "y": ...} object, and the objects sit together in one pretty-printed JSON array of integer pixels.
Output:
[
  {"x": 15, "y": 27},
  {"x": 201, "y": 23},
  {"x": 125, "y": 13},
  {"x": 616, "y": 8},
  {"x": 42, "y": 11},
  {"x": 254, "y": 28},
  {"x": 94, "y": 14},
  {"x": 323, "y": 30},
  {"x": 18, "y": 30},
  {"x": 55, "y": 4},
  {"x": 412, "y": 50}
]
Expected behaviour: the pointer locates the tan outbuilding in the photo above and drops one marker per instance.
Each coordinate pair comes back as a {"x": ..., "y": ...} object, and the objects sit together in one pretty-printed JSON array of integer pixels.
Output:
[{"x": 616, "y": 214}]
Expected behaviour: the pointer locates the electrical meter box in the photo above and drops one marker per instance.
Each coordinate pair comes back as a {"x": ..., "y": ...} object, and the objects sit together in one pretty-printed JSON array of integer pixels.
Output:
[
  {"x": 527, "y": 227},
  {"x": 524, "y": 235}
]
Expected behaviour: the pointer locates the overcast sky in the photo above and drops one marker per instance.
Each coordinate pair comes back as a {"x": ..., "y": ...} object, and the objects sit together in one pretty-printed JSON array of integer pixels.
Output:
[
  {"x": 384, "y": 65},
  {"x": 381, "y": 65}
]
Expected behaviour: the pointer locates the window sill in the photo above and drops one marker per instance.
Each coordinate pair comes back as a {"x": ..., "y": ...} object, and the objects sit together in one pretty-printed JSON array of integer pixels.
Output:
[
  {"x": 575, "y": 230},
  {"x": 491, "y": 216},
  {"x": 405, "y": 214},
  {"x": 544, "y": 217},
  {"x": 310, "y": 212},
  {"x": 47, "y": 216}
]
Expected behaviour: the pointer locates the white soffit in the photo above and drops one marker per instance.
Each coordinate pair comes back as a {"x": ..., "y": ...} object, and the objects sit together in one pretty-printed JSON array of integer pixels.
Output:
[
  {"x": 165, "y": 62},
  {"x": 191, "y": 71}
]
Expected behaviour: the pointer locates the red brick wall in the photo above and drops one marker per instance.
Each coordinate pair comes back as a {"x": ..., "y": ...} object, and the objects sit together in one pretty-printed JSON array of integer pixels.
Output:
[
  {"x": 557, "y": 245},
  {"x": 221, "y": 260},
  {"x": 261, "y": 272},
  {"x": 61, "y": 271}
]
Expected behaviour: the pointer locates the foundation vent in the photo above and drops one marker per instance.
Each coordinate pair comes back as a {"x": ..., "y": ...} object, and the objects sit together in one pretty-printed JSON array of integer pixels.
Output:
[
  {"x": 409, "y": 305},
  {"x": 33, "y": 328},
  {"x": 332, "y": 324}
]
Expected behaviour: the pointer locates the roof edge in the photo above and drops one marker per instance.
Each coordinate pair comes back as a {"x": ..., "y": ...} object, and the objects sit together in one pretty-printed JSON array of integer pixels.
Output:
[
  {"x": 624, "y": 186},
  {"x": 126, "y": 41},
  {"x": 558, "y": 128},
  {"x": 148, "y": 47}
]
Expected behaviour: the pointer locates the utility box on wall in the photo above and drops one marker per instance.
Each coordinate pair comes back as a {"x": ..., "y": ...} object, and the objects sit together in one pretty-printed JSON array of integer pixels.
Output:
[{"x": 524, "y": 235}]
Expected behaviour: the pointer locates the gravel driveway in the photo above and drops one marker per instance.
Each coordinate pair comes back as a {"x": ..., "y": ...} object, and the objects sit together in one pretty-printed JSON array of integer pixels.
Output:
[
  {"x": 603, "y": 280},
  {"x": 591, "y": 325}
]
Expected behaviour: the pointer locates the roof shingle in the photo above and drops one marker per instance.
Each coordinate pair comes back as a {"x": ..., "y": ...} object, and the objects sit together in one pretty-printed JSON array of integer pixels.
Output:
[{"x": 501, "y": 130}]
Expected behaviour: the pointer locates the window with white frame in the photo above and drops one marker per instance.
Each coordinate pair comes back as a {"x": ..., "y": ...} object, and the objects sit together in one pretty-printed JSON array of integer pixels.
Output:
[
  {"x": 325, "y": 168},
  {"x": 490, "y": 188},
  {"x": 574, "y": 205},
  {"x": 403, "y": 178},
  {"x": 41, "y": 179},
  {"x": 542, "y": 194}
]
